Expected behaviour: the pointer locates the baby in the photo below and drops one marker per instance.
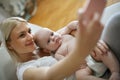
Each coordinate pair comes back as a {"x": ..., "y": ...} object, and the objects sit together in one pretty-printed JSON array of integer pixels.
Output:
[{"x": 61, "y": 43}]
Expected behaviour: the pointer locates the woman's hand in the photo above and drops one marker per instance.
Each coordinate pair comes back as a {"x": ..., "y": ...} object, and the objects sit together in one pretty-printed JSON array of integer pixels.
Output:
[{"x": 88, "y": 34}]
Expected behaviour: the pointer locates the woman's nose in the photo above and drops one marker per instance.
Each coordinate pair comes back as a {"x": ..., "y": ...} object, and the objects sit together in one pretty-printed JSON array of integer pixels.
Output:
[{"x": 29, "y": 36}]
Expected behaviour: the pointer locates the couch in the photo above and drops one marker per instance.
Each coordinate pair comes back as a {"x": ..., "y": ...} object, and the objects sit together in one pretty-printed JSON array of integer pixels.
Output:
[{"x": 7, "y": 67}]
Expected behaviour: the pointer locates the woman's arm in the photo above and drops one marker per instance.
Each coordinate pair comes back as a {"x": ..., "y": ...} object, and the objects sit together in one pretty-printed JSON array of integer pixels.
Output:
[{"x": 87, "y": 37}]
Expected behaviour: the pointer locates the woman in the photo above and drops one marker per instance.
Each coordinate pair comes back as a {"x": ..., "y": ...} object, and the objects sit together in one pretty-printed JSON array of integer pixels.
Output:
[{"x": 18, "y": 40}]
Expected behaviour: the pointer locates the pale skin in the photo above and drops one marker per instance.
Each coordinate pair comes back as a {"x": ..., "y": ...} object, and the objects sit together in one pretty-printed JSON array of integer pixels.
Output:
[
  {"x": 100, "y": 53},
  {"x": 51, "y": 41},
  {"x": 21, "y": 41},
  {"x": 63, "y": 44},
  {"x": 107, "y": 57}
]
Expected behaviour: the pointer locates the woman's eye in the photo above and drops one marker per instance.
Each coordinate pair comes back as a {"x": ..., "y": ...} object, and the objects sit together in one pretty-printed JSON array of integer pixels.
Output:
[{"x": 22, "y": 35}]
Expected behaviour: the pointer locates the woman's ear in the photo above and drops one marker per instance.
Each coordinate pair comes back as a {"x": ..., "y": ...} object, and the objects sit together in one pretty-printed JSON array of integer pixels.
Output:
[{"x": 9, "y": 45}]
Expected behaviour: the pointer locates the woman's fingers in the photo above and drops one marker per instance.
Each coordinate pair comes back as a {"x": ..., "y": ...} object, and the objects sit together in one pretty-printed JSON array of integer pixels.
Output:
[{"x": 89, "y": 34}]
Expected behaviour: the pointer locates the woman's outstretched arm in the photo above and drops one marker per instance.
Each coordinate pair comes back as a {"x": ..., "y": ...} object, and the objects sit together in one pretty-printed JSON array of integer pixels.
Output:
[{"x": 87, "y": 37}]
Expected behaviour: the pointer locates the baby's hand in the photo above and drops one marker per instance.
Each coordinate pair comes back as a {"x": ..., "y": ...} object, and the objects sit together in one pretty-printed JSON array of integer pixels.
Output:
[
  {"x": 100, "y": 50},
  {"x": 72, "y": 26},
  {"x": 115, "y": 76},
  {"x": 103, "y": 47}
]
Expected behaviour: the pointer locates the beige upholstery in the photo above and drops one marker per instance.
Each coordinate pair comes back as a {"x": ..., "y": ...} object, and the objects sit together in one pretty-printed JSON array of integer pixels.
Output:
[{"x": 7, "y": 68}]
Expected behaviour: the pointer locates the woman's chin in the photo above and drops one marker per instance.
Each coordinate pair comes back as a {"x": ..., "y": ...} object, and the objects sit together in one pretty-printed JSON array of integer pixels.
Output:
[{"x": 32, "y": 48}]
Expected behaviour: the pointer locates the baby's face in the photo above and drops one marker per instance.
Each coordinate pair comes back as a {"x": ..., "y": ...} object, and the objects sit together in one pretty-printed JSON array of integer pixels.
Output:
[{"x": 49, "y": 39}]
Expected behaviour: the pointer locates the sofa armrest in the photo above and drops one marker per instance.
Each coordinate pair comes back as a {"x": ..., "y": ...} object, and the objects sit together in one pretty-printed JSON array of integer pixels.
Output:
[{"x": 109, "y": 11}]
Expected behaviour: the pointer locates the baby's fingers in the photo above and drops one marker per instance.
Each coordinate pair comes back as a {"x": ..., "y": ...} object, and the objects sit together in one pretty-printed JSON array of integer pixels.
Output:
[{"x": 103, "y": 47}]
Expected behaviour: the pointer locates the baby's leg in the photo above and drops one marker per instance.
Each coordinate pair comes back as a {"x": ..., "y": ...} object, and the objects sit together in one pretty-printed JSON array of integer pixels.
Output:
[
  {"x": 86, "y": 74},
  {"x": 82, "y": 73}
]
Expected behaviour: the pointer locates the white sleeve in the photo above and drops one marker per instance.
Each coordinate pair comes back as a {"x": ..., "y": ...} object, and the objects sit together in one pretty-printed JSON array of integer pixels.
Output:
[{"x": 21, "y": 69}]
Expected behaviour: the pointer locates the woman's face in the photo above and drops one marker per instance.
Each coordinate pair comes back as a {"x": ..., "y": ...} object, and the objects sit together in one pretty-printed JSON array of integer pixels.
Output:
[{"x": 21, "y": 39}]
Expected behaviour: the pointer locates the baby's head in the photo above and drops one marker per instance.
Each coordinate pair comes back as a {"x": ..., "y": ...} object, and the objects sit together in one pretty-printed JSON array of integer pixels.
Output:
[{"x": 47, "y": 39}]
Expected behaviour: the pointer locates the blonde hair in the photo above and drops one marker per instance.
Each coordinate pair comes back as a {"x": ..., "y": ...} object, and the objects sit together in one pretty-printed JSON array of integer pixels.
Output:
[{"x": 6, "y": 27}]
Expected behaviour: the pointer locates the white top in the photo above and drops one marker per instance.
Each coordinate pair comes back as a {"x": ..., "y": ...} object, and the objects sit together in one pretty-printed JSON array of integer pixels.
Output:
[{"x": 44, "y": 61}]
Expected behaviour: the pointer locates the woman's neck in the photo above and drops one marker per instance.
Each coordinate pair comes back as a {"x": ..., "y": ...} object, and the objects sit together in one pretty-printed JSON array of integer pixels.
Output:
[{"x": 27, "y": 57}]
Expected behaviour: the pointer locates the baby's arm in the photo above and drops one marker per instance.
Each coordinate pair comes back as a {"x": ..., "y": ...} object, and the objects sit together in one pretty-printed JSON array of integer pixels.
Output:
[
  {"x": 86, "y": 74},
  {"x": 108, "y": 58},
  {"x": 58, "y": 56},
  {"x": 112, "y": 63},
  {"x": 72, "y": 26}
]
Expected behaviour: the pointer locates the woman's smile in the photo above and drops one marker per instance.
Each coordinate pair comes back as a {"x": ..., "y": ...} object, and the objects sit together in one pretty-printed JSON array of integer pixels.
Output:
[{"x": 31, "y": 43}]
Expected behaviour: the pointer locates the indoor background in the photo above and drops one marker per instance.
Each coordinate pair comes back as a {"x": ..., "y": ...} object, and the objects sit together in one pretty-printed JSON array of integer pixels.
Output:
[{"x": 55, "y": 14}]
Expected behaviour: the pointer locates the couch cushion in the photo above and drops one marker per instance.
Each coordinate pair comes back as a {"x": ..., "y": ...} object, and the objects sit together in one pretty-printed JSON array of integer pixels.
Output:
[
  {"x": 109, "y": 11},
  {"x": 7, "y": 67}
]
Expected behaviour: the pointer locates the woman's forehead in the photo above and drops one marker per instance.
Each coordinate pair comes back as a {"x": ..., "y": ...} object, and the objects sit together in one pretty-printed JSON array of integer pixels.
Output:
[{"x": 20, "y": 28}]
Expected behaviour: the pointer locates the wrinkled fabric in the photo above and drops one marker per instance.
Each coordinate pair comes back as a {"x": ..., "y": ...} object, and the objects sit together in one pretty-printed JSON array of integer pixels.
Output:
[{"x": 98, "y": 68}]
